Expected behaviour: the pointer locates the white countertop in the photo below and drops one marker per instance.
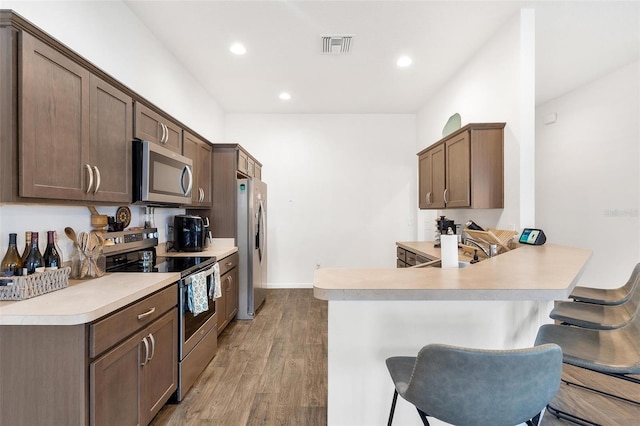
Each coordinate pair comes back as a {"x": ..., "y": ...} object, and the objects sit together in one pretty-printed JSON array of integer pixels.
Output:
[
  {"x": 545, "y": 272},
  {"x": 85, "y": 301},
  {"x": 220, "y": 248}
]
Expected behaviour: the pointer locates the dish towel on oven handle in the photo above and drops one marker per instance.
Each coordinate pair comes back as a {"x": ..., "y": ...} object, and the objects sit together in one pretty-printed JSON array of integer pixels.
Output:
[
  {"x": 215, "y": 292},
  {"x": 197, "y": 293}
]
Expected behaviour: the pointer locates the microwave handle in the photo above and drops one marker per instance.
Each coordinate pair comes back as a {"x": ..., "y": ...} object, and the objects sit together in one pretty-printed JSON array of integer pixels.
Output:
[{"x": 186, "y": 169}]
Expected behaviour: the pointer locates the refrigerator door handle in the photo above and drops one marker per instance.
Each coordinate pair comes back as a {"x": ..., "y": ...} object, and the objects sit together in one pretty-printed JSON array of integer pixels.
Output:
[{"x": 260, "y": 230}]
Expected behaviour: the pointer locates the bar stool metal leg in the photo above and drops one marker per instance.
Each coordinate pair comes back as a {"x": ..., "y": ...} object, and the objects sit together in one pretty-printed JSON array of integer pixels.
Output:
[{"x": 393, "y": 407}]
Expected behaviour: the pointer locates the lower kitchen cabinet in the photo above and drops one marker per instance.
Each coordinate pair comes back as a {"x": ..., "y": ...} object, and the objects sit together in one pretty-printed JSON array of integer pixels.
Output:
[
  {"x": 132, "y": 382},
  {"x": 118, "y": 370},
  {"x": 407, "y": 258},
  {"x": 227, "y": 305}
]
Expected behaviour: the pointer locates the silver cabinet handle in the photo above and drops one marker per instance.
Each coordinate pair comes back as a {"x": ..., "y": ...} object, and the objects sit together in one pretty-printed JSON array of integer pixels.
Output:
[
  {"x": 228, "y": 263},
  {"x": 153, "y": 347},
  {"x": 146, "y": 352},
  {"x": 201, "y": 195},
  {"x": 166, "y": 134},
  {"x": 187, "y": 170},
  {"x": 88, "y": 167},
  {"x": 428, "y": 197},
  {"x": 445, "y": 195},
  {"x": 163, "y": 139},
  {"x": 95, "y": 168},
  {"x": 146, "y": 314}
]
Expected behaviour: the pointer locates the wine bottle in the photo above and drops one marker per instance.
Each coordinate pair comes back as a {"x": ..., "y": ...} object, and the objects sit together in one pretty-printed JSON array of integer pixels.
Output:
[
  {"x": 55, "y": 244},
  {"x": 51, "y": 256},
  {"x": 34, "y": 262},
  {"x": 12, "y": 262},
  {"x": 27, "y": 244}
]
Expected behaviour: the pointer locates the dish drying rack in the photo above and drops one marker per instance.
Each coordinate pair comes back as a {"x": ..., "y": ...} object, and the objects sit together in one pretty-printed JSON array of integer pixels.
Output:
[{"x": 500, "y": 237}]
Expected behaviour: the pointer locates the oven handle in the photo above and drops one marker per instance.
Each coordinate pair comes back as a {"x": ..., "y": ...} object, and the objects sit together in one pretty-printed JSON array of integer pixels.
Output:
[{"x": 208, "y": 273}]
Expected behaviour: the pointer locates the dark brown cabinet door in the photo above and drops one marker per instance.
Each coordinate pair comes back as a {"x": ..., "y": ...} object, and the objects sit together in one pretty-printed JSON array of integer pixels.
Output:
[
  {"x": 431, "y": 184},
  {"x": 115, "y": 385},
  {"x": 200, "y": 152},
  {"x": 111, "y": 136},
  {"x": 160, "y": 373},
  {"x": 54, "y": 125},
  {"x": 153, "y": 127},
  {"x": 204, "y": 172},
  {"x": 221, "y": 305},
  {"x": 458, "y": 171}
]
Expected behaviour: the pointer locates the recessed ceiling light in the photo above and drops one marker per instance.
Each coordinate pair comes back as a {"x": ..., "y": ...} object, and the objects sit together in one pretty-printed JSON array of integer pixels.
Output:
[
  {"x": 285, "y": 96},
  {"x": 238, "y": 49},
  {"x": 404, "y": 61}
]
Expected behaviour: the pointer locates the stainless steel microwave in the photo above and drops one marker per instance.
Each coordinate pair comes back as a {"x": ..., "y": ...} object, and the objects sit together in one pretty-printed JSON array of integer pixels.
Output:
[{"x": 160, "y": 176}]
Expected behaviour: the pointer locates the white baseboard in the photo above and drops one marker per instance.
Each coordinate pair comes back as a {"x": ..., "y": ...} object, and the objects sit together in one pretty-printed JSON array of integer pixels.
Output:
[{"x": 289, "y": 285}]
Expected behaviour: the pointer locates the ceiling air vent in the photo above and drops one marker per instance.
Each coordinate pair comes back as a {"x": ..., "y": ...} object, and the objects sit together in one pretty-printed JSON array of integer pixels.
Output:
[{"x": 336, "y": 44}]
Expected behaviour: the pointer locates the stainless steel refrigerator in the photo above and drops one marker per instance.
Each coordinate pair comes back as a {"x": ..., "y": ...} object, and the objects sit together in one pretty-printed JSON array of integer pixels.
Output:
[{"x": 252, "y": 245}]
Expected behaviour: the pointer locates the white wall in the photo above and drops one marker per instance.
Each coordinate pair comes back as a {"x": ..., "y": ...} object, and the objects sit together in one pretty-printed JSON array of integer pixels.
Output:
[
  {"x": 341, "y": 188},
  {"x": 587, "y": 174},
  {"x": 496, "y": 85},
  {"x": 110, "y": 36}
]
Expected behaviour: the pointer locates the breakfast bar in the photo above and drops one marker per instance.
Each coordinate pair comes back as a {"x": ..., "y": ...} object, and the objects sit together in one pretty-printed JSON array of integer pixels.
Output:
[{"x": 498, "y": 303}]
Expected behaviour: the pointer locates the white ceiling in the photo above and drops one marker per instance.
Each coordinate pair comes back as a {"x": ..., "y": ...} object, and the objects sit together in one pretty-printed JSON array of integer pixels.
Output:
[{"x": 575, "y": 43}]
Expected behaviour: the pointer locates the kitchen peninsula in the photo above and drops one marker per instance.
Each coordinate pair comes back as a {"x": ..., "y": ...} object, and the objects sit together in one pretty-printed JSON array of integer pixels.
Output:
[{"x": 498, "y": 303}]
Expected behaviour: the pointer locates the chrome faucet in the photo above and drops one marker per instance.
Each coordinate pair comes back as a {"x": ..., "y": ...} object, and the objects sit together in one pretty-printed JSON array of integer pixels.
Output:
[{"x": 477, "y": 244}]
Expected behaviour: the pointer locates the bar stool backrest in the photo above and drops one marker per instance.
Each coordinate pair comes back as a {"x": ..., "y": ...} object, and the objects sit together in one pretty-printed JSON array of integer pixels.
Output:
[
  {"x": 632, "y": 305},
  {"x": 483, "y": 387}
]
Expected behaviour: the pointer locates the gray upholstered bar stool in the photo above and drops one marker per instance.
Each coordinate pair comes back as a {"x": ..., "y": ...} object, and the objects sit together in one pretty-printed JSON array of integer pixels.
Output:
[
  {"x": 477, "y": 387},
  {"x": 601, "y": 317},
  {"x": 601, "y": 296},
  {"x": 615, "y": 353}
]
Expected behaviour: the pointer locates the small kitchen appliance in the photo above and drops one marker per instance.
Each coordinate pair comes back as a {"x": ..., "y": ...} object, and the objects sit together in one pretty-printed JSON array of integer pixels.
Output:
[
  {"x": 442, "y": 226},
  {"x": 189, "y": 233}
]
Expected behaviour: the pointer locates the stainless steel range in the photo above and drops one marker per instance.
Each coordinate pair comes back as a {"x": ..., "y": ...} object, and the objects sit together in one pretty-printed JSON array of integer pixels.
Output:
[{"x": 134, "y": 251}]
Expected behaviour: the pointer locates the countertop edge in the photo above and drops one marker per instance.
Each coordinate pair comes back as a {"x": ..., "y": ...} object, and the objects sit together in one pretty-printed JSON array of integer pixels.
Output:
[
  {"x": 529, "y": 273},
  {"x": 88, "y": 316}
]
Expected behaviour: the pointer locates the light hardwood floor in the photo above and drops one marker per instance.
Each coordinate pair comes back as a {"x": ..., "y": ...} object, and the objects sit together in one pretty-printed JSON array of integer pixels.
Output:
[
  {"x": 268, "y": 371},
  {"x": 273, "y": 371}
]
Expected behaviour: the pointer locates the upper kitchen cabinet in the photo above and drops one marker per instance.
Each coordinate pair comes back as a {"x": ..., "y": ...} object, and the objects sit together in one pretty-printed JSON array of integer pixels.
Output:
[
  {"x": 154, "y": 127},
  {"x": 230, "y": 162},
  {"x": 65, "y": 128},
  {"x": 200, "y": 152},
  {"x": 75, "y": 130},
  {"x": 464, "y": 169},
  {"x": 247, "y": 166}
]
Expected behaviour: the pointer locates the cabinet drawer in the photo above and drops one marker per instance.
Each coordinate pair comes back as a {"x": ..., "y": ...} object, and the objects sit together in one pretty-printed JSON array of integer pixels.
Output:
[
  {"x": 401, "y": 254},
  {"x": 228, "y": 263},
  {"x": 106, "y": 332},
  {"x": 400, "y": 264},
  {"x": 410, "y": 258},
  {"x": 422, "y": 259}
]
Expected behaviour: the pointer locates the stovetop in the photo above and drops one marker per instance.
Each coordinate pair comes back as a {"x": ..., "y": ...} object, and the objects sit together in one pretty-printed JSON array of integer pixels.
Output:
[
  {"x": 126, "y": 248},
  {"x": 184, "y": 265}
]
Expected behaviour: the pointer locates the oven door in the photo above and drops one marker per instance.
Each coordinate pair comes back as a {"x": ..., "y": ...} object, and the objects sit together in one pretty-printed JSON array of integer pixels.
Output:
[{"x": 194, "y": 327}]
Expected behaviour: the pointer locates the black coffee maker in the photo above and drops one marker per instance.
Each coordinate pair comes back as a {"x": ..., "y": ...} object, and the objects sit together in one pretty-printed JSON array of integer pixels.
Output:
[{"x": 442, "y": 226}]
